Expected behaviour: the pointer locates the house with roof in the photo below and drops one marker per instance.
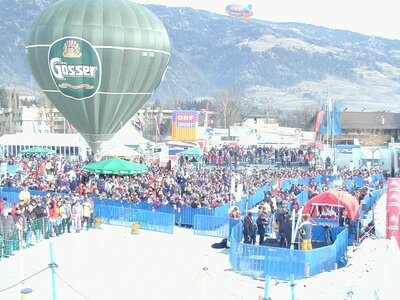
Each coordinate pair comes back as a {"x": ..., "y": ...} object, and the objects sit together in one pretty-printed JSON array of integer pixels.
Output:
[{"x": 369, "y": 128}]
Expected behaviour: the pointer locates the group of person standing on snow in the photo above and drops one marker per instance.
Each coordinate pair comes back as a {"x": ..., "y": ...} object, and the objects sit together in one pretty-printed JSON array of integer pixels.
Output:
[{"x": 35, "y": 218}]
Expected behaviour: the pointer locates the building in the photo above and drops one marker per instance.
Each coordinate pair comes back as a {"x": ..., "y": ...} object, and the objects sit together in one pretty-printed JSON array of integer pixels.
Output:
[
  {"x": 369, "y": 128},
  {"x": 32, "y": 119}
]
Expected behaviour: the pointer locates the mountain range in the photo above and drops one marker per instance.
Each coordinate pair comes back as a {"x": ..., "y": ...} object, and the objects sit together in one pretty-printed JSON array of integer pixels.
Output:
[{"x": 274, "y": 64}]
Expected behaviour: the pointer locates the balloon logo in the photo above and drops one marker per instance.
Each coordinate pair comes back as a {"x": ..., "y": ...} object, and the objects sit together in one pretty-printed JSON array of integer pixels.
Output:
[
  {"x": 75, "y": 67},
  {"x": 98, "y": 62}
]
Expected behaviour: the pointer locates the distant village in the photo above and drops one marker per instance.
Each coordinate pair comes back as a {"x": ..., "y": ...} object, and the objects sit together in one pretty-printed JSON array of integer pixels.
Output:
[{"x": 366, "y": 137}]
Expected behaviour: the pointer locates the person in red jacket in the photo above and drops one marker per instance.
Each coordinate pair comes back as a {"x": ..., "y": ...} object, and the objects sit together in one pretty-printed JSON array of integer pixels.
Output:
[
  {"x": 3, "y": 204},
  {"x": 54, "y": 212}
]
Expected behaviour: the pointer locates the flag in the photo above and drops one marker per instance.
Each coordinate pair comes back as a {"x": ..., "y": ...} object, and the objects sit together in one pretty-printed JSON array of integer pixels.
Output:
[
  {"x": 323, "y": 130},
  {"x": 158, "y": 125},
  {"x": 330, "y": 124},
  {"x": 71, "y": 128},
  {"x": 337, "y": 129},
  {"x": 276, "y": 185},
  {"x": 319, "y": 119},
  {"x": 206, "y": 121},
  {"x": 140, "y": 125}
]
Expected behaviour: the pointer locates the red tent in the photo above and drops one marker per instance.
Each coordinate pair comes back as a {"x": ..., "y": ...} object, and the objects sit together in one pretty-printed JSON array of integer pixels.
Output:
[{"x": 335, "y": 198}]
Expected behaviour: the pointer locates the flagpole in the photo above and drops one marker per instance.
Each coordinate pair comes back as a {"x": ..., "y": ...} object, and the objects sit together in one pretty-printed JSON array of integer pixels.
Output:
[
  {"x": 333, "y": 131},
  {"x": 327, "y": 122},
  {"x": 333, "y": 122}
]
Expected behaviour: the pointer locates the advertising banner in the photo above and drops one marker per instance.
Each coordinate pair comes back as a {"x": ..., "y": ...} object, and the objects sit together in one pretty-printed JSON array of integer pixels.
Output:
[
  {"x": 393, "y": 209},
  {"x": 184, "y": 125}
]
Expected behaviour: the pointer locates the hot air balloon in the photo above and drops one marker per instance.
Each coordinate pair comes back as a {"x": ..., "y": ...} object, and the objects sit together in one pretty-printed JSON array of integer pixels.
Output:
[
  {"x": 98, "y": 62},
  {"x": 239, "y": 11}
]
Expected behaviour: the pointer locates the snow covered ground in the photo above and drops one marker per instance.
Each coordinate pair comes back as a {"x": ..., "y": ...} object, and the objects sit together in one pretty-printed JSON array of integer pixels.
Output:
[{"x": 110, "y": 263}]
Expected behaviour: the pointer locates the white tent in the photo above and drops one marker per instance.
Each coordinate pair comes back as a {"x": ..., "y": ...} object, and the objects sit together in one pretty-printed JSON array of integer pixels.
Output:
[
  {"x": 127, "y": 135},
  {"x": 120, "y": 151},
  {"x": 68, "y": 145}
]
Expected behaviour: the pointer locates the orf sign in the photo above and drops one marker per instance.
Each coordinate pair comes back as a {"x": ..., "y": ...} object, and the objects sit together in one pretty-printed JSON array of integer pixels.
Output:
[
  {"x": 185, "y": 120},
  {"x": 393, "y": 209},
  {"x": 184, "y": 125}
]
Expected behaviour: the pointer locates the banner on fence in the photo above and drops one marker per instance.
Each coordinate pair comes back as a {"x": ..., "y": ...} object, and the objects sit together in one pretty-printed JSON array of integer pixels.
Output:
[{"x": 393, "y": 209}]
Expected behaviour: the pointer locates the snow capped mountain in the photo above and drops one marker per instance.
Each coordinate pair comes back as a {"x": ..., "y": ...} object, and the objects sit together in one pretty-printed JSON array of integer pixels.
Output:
[{"x": 270, "y": 62}]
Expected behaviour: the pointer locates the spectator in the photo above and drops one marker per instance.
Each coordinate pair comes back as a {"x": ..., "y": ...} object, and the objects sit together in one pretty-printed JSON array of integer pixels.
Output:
[
  {"x": 262, "y": 223},
  {"x": 86, "y": 212},
  {"x": 285, "y": 230},
  {"x": 247, "y": 227},
  {"x": 305, "y": 231},
  {"x": 3, "y": 204},
  {"x": 344, "y": 220},
  {"x": 76, "y": 215}
]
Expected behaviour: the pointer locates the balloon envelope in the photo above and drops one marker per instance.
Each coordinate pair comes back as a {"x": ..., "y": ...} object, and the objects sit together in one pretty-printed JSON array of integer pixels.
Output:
[
  {"x": 239, "y": 11},
  {"x": 98, "y": 62}
]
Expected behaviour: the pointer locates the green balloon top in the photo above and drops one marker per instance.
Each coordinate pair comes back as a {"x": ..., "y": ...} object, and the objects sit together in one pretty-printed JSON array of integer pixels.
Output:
[{"x": 121, "y": 22}]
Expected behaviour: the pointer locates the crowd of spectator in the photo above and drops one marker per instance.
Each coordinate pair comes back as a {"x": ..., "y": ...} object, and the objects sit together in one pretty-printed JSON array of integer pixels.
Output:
[
  {"x": 68, "y": 204},
  {"x": 35, "y": 218},
  {"x": 266, "y": 155},
  {"x": 209, "y": 186}
]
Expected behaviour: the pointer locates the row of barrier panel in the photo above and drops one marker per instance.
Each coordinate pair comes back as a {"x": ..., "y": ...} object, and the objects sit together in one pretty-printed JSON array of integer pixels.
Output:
[
  {"x": 149, "y": 220},
  {"x": 184, "y": 215},
  {"x": 280, "y": 263},
  {"x": 246, "y": 259}
]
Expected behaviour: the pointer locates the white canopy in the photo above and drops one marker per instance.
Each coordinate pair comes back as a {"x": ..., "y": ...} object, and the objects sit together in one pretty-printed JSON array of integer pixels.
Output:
[
  {"x": 14, "y": 143},
  {"x": 43, "y": 139},
  {"x": 120, "y": 151},
  {"x": 127, "y": 135}
]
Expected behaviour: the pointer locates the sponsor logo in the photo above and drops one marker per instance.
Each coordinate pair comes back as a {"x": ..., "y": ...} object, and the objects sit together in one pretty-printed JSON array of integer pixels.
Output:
[
  {"x": 185, "y": 125},
  {"x": 394, "y": 183},
  {"x": 394, "y": 196},
  {"x": 185, "y": 121},
  {"x": 186, "y": 118},
  {"x": 75, "y": 67},
  {"x": 393, "y": 223}
]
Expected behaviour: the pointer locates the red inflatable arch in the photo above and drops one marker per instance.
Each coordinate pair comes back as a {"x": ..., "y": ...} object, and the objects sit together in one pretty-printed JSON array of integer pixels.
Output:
[{"x": 333, "y": 198}]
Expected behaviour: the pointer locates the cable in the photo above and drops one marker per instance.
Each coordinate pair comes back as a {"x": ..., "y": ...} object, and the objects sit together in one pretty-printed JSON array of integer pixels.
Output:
[
  {"x": 10, "y": 287},
  {"x": 75, "y": 290},
  {"x": 205, "y": 270}
]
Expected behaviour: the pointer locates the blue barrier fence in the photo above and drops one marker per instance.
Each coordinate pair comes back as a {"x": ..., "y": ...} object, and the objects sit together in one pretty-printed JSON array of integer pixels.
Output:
[
  {"x": 303, "y": 197},
  {"x": 281, "y": 263},
  {"x": 246, "y": 259},
  {"x": 185, "y": 215},
  {"x": 370, "y": 199},
  {"x": 222, "y": 226},
  {"x": 357, "y": 181},
  {"x": 149, "y": 220},
  {"x": 214, "y": 226},
  {"x": 222, "y": 211}
]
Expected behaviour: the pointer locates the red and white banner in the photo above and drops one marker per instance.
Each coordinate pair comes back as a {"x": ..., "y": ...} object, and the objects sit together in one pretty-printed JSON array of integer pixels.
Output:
[
  {"x": 318, "y": 120},
  {"x": 393, "y": 209}
]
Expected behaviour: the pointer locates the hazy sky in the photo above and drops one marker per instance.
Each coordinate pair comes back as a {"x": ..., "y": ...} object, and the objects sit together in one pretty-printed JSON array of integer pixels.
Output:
[{"x": 372, "y": 17}]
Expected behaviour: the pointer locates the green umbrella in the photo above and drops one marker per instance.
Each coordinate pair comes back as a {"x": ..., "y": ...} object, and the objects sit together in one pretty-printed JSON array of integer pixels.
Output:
[
  {"x": 193, "y": 152},
  {"x": 116, "y": 165},
  {"x": 37, "y": 150}
]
